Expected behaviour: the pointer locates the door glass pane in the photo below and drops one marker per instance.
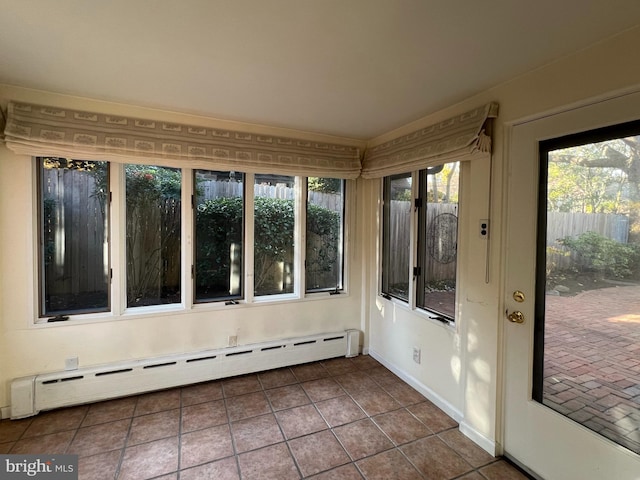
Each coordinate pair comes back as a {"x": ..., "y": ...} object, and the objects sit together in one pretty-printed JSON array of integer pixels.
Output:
[
  {"x": 588, "y": 316},
  {"x": 325, "y": 226},
  {"x": 396, "y": 236},
  {"x": 153, "y": 235},
  {"x": 438, "y": 239},
  {"x": 274, "y": 223},
  {"x": 219, "y": 212},
  {"x": 74, "y": 233}
]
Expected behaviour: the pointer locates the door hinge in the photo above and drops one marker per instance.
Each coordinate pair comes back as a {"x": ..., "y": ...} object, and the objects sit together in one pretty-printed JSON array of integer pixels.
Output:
[{"x": 417, "y": 271}]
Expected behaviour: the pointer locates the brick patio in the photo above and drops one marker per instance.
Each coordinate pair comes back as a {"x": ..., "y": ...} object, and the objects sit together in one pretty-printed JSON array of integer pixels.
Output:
[{"x": 592, "y": 361}]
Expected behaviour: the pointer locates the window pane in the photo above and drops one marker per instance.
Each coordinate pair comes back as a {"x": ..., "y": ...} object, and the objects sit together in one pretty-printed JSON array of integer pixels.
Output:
[
  {"x": 274, "y": 224},
  {"x": 438, "y": 239},
  {"x": 153, "y": 235},
  {"x": 587, "y": 308},
  {"x": 325, "y": 226},
  {"x": 219, "y": 212},
  {"x": 74, "y": 236},
  {"x": 397, "y": 236}
]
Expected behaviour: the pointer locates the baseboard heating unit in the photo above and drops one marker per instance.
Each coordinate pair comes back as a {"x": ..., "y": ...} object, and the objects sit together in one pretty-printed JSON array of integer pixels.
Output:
[{"x": 33, "y": 394}]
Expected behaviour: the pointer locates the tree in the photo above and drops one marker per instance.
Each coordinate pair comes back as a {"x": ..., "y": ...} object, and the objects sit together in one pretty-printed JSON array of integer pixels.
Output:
[{"x": 599, "y": 177}]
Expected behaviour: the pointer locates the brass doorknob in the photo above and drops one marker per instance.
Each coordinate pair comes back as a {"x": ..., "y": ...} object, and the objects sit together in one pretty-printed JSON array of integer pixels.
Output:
[{"x": 516, "y": 317}]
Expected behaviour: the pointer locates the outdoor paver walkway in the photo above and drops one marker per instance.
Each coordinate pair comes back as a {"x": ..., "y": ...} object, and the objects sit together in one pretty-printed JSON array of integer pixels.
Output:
[{"x": 592, "y": 361}]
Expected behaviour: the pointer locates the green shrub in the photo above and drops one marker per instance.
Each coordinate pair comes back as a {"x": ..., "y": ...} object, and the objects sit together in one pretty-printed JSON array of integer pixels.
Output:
[
  {"x": 604, "y": 255},
  {"x": 219, "y": 225}
]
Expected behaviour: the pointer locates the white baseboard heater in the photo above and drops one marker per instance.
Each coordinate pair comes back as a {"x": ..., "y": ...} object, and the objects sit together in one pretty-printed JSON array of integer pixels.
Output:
[{"x": 33, "y": 394}]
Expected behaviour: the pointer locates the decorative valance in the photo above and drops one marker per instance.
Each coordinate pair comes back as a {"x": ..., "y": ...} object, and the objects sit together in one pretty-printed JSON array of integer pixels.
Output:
[
  {"x": 458, "y": 138},
  {"x": 50, "y": 131}
]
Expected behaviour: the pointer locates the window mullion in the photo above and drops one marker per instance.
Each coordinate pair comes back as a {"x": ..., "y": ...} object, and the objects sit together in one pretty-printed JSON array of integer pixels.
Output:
[
  {"x": 299, "y": 236},
  {"x": 186, "y": 246},
  {"x": 118, "y": 239}
]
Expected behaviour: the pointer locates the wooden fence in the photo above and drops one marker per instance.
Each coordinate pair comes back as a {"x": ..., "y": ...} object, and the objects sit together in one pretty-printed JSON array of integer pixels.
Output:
[
  {"x": 74, "y": 227},
  {"x": 559, "y": 225},
  {"x": 567, "y": 224},
  {"x": 79, "y": 233},
  {"x": 73, "y": 236},
  {"x": 440, "y": 266}
]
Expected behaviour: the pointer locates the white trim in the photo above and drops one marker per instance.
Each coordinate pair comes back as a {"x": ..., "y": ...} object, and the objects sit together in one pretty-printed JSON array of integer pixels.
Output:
[
  {"x": 5, "y": 412},
  {"x": 487, "y": 444},
  {"x": 432, "y": 396},
  {"x": 603, "y": 98}
]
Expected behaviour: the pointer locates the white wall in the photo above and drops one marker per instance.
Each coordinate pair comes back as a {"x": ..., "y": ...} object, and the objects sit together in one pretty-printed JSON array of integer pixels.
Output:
[
  {"x": 27, "y": 349},
  {"x": 461, "y": 367}
]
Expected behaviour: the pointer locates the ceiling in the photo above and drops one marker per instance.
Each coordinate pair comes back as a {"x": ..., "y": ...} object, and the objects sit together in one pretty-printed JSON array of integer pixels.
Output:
[{"x": 352, "y": 68}]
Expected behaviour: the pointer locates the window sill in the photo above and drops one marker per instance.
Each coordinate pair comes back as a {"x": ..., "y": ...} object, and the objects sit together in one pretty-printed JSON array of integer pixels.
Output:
[
  {"x": 179, "y": 309},
  {"x": 427, "y": 315}
]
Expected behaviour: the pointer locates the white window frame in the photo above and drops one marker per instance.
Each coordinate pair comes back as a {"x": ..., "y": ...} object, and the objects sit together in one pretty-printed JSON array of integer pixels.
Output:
[{"x": 117, "y": 252}]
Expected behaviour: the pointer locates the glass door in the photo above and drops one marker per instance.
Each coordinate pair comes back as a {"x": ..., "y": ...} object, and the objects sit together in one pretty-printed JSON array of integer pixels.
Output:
[{"x": 572, "y": 296}]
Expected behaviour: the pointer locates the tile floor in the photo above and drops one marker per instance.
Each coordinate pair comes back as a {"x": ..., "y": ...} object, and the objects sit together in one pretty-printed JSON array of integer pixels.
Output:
[{"x": 336, "y": 419}]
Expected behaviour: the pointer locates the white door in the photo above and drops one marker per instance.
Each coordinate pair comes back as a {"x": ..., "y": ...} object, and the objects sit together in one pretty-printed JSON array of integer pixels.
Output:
[{"x": 556, "y": 439}]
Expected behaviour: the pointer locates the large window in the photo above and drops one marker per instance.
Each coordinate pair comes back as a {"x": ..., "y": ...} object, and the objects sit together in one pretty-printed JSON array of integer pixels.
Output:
[
  {"x": 114, "y": 238},
  {"x": 74, "y": 236},
  {"x": 324, "y": 234},
  {"x": 219, "y": 216},
  {"x": 421, "y": 268}
]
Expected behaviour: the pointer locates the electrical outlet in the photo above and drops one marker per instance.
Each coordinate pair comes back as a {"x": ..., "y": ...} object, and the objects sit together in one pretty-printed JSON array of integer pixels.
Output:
[
  {"x": 233, "y": 340},
  {"x": 416, "y": 354},
  {"x": 71, "y": 363}
]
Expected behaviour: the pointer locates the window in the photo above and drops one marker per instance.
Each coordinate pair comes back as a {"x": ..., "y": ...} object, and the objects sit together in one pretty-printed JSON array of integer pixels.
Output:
[
  {"x": 83, "y": 270},
  {"x": 429, "y": 263},
  {"x": 153, "y": 199},
  {"x": 397, "y": 198},
  {"x": 438, "y": 239},
  {"x": 324, "y": 234},
  {"x": 219, "y": 220},
  {"x": 74, "y": 239},
  {"x": 274, "y": 228},
  {"x": 586, "y": 339}
]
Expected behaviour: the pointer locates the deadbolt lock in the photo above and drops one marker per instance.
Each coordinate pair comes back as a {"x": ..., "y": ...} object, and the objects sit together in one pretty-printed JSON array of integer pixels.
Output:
[{"x": 518, "y": 296}]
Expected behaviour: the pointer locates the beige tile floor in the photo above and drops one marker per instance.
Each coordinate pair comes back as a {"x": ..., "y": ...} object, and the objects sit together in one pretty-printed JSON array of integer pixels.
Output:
[{"x": 336, "y": 419}]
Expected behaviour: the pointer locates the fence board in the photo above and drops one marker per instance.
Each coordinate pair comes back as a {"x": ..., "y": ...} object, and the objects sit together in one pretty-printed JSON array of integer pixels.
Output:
[
  {"x": 569, "y": 224},
  {"x": 400, "y": 238}
]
